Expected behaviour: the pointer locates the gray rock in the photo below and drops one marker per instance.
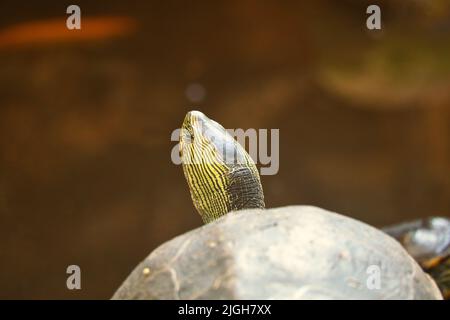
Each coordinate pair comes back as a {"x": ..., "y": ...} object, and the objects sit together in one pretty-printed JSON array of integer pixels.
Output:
[{"x": 296, "y": 252}]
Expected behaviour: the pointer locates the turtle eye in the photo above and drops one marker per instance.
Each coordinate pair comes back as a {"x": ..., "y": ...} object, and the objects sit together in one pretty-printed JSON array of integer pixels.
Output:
[{"x": 187, "y": 135}]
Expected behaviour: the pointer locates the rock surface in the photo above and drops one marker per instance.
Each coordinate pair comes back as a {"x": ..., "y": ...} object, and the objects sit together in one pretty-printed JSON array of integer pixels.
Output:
[{"x": 295, "y": 252}]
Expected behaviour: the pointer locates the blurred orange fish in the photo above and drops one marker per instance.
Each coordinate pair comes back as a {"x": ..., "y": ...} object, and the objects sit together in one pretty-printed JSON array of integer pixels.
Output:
[{"x": 55, "y": 31}]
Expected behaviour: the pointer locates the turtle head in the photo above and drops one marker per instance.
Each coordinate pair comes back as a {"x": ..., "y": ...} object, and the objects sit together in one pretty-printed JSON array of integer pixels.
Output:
[
  {"x": 220, "y": 174},
  {"x": 203, "y": 140}
]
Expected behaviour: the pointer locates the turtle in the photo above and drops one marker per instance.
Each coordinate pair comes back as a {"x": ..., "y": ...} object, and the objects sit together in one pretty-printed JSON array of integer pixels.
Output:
[
  {"x": 246, "y": 251},
  {"x": 428, "y": 242}
]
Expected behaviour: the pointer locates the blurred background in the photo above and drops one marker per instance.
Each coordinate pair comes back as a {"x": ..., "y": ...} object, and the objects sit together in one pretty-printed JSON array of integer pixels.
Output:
[{"x": 86, "y": 116}]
